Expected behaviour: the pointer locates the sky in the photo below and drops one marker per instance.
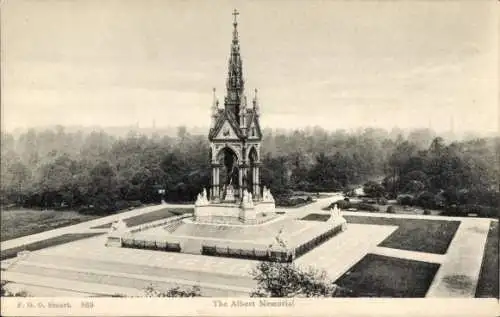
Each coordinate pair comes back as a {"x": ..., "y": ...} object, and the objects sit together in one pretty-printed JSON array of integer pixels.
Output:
[{"x": 335, "y": 64}]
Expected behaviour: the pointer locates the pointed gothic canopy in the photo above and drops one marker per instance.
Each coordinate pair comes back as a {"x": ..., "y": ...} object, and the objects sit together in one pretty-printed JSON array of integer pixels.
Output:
[{"x": 244, "y": 121}]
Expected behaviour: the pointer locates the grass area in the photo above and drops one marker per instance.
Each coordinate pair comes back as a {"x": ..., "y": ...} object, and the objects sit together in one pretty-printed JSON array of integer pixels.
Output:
[
  {"x": 149, "y": 217},
  {"x": 432, "y": 236},
  {"x": 358, "y": 205},
  {"x": 488, "y": 277},
  {"x": 383, "y": 276},
  {"x": 22, "y": 222},
  {"x": 316, "y": 217},
  {"x": 292, "y": 204},
  {"x": 65, "y": 238},
  {"x": 406, "y": 210}
]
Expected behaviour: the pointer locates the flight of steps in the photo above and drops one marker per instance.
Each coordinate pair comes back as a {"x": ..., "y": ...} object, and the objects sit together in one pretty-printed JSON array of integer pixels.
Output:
[
  {"x": 110, "y": 278},
  {"x": 172, "y": 226}
]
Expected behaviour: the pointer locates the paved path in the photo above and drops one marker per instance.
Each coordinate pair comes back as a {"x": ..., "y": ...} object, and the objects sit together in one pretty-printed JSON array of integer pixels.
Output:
[
  {"x": 460, "y": 267},
  {"x": 409, "y": 255},
  {"x": 83, "y": 227},
  {"x": 86, "y": 226},
  {"x": 457, "y": 276},
  {"x": 340, "y": 253},
  {"x": 410, "y": 216},
  {"x": 459, "y": 273}
]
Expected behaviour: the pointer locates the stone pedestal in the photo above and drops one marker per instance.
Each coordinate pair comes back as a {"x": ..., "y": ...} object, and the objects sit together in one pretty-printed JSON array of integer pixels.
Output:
[
  {"x": 229, "y": 194},
  {"x": 337, "y": 219},
  {"x": 247, "y": 215},
  {"x": 115, "y": 233},
  {"x": 230, "y": 212}
]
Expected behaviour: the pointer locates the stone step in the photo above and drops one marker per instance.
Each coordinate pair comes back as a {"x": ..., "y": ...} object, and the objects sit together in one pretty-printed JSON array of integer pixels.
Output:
[
  {"x": 43, "y": 286},
  {"x": 115, "y": 279},
  {"x": 112, "y": 267}
]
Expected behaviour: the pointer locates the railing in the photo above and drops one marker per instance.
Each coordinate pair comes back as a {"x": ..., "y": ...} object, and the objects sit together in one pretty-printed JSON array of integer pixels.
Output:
[
  {"x": 151, "y": 245},
  {"x": 253, "y": 254},
  {"x": 316, "y": 241}
]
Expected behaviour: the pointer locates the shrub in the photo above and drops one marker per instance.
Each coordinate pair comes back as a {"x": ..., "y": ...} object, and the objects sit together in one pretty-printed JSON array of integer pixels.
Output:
[
  {"x": 481, "y": 211},
  {"x": 135, "y": 203},
  {"x": 405, "y": 200},
  {"x": 366, "y": 207},
  {"x": 6, "y": 293},
  {"x": 373, "y": 189},
  {"x": 276, "y": 279},
  {"x": 390, "y": 210},
  {"x": 427, "y": 212},
  {"x": 414, "y": 186},
  {"x": 341, "y": 204},
  {"x": 195, "y": 291},
  {"x": 122, "y": 204},
  {"x": 382, "y": 201},
  {"x": 426, "y": 200}
]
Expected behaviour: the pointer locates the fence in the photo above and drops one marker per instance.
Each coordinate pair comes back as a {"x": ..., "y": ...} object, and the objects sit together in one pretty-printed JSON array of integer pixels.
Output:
[
  {"x": 311, "y": 244},
  {"x": 253, "y": 254},
  {"x": 151, "y": 245}
]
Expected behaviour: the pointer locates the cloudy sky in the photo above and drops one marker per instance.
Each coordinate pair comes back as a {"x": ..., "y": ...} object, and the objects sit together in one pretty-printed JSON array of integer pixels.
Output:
[{"x": 332, "y": 63}]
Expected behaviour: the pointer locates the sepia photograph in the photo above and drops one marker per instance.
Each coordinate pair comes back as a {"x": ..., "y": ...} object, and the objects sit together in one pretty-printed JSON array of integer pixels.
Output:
[{"x": 249, "y": 157}]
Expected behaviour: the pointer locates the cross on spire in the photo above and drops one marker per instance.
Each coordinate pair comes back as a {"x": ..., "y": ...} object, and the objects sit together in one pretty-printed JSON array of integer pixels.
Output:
[{"x": 235, "y": 14}]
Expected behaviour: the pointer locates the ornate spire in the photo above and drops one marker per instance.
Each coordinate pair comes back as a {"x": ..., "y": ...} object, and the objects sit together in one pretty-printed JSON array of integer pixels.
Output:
[
  {"x": 256, "y": 103},
  {"x": 215, "y": 108},
  {"x": 235, "y": 82},
  {"x": 215, "y": 102}
]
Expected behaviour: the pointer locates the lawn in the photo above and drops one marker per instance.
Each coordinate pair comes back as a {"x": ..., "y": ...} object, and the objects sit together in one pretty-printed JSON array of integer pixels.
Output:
[
  {"x": 58, "y": 240},
  {"x": 357, "y": 204},
  {"x": 316, "y": 217},
  {"x": 382, "y": 276},
  {"x": 149, "y": 217},
  {"x": 422, "y": 235},
  {"x": 488, "y": 277},
  {"x": 22, "y": 222}
]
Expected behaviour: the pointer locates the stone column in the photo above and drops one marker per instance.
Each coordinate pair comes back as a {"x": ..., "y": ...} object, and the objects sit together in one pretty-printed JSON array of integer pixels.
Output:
[
  {"x": 240, "y": 181},
  {"x": 215, "y": 182},
  {"x": 256, "y": 181}
]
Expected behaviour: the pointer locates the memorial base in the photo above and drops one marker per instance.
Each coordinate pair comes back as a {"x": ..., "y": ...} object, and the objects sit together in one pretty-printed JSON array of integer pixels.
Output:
[{"x": 234, "y": 213}]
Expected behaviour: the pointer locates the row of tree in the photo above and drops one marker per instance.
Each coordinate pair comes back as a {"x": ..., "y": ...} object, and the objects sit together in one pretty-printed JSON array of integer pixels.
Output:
[{"x": 54, "y": 168}]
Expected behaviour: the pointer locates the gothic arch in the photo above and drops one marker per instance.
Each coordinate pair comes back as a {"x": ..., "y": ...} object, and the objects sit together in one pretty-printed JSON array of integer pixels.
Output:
[{"x": 230, "y": 147}]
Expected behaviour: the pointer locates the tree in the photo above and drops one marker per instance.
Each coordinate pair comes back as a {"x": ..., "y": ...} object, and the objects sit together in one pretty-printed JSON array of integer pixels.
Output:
[
  {"x": 373, "y": 189},
  {"x": 4, "y": 292},
  {"x": 426, "y": 200},
  {"x": 151, "y": 291},
  {"x": 277, "y": 279}
]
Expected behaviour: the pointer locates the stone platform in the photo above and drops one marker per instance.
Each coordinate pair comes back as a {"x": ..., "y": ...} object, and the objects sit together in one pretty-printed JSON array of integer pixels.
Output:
[
  {"x": 234, "y": 213},
  {"x": 247, "y": 210},
  {"x": 280, "y": 234}
]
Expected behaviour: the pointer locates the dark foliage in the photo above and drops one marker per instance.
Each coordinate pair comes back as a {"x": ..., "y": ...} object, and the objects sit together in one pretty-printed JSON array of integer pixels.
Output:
[
  {"x": 99, "y": 173},
  {"x": 276, "y": 279}
]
